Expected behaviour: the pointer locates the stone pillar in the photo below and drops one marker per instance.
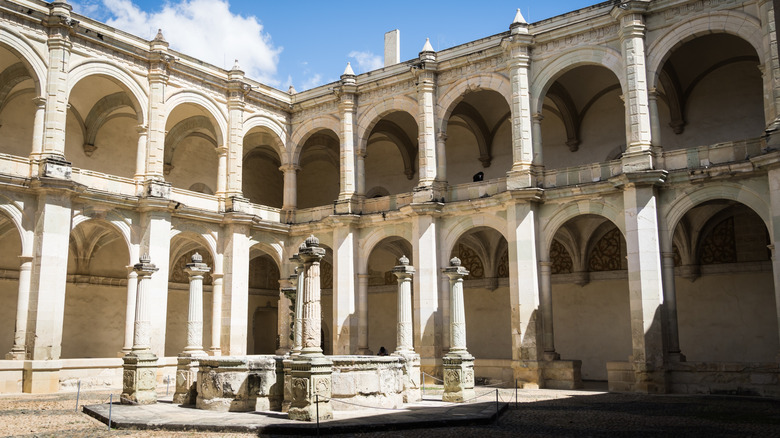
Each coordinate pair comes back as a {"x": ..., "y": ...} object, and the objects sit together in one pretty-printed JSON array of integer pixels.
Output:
[
  {"x": 19, "y": 349},
  {"x": 536, "y": 131},
  {"x": 646, "y": 296},
  {"x": 458, "y": 363},
  {"x": 441, "y": 157},
  {"x": 59, "y": 26},
  {"x": 139, "y": 382},
  {"x": 770, "y": 69},
  {"x": 518, "y": 50},
  {"x": 347, "y": 107},
  {"x": 235, "y": 294},
  {"x": 222, "y": 171},
  {"x": 216, "y": 314},
  {"x": 524, "y": 290},
  {"x": 311, "y": 370},
  {"x": 426, "y": 87},
  {"x": 234, "y": 153},
  {"x": 132, "y": 292},
  {"x": 670, "y": 305},
  {"x": 299, "y": 281},
  {"x": 156, "y": 242},
  {"x": 363, "y": 347},
  {"x": 159, "y": 63},
  {"x": 188, "y": 360},
  {"x": 774, "y": 199},
  {"x": 290, "y": 196},
  {"x": 404, "y": 335},
  {"x": 38, "y": 127},
  {"x": 545, "y": 274},
  {"x": 345, "y": 251},
  {"x": 140, "y": 157},
  {"x": 426, "y": 305},
  {"x": 638, "y": 155}
]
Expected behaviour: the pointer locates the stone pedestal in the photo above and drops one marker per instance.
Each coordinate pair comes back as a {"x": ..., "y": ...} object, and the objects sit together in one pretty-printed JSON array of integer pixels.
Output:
[
  {"x": 139, "y": 380},
  {"x": 411, "y": 377},
  {"x": 310, "y": 385},
  {"x": 404, "y": 337},
  {"x": 458, "y": 377},
  {"x": 287, "y": 400},
  {"x": 187, "y": 379}
]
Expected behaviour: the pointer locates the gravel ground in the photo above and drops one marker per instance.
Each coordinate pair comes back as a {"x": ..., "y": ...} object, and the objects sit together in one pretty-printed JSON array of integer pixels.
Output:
[{"x": 540, "y": 413}]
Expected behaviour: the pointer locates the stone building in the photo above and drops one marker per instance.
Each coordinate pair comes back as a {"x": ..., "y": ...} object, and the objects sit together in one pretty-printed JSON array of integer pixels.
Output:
[{"x": 623, "y": 228}]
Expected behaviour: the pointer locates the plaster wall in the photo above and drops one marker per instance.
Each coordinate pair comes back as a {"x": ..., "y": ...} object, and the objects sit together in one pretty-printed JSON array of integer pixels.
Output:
[
  {"x": 488, "y": 322},
  {"x": 592, "y": 324},
  {"x": 194, "y": 161},
  {"x": 263, "y": 325},
  {"x": 318, "y": 184},
  {"x": 728, "y": 317},
  {"x": 385, "y": 168},
  {"x": 263, "y": 182},
  {"x": 16, "y": 125},
  {"x": 94, "y": 323},
  {"x": 382, "y": 318},
  {"x": 463, "y": 154},
  {"x": 8, "y": 293}
]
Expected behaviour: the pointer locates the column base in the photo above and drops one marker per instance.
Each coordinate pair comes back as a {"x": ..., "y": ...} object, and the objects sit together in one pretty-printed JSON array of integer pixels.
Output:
[
  {"x": 311, "y": 377},
  {"x": 287, "y": 400},
  {"x": 638, "y": 158},
  {"x": 523, "y": 177},
  {"x": 41, "y": 376},
  {"x": 157, "y": 189},
  {"x": 139, "y": 382},
  {"x": 54, "y": 167},
  {"x": 458, "y": 377},
  {"x": 16, "y": 354},
  {"x": 348, "y": 205},
  {"x": 237, "y": 204},
  {"x": 412, "y": 376},
  {"x": 435, "y": 191},
  {"x": 187, "y": 378},
  {"x": 214, "y": 352}
]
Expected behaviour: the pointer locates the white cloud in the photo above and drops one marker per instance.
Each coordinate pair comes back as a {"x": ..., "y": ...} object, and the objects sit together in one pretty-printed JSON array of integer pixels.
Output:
[
  {"x": 204, "y": 29},
  {"x": 312, "y": 81},
  {"x": 366, "y": 61}
]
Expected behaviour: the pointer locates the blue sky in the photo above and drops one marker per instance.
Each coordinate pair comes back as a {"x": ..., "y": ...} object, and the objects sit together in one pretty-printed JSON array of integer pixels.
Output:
[{"x": 308, "y": 43}]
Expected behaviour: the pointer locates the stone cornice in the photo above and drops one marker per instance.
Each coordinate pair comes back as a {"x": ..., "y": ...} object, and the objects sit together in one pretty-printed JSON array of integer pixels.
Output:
[{"x": 641, "y": 178}]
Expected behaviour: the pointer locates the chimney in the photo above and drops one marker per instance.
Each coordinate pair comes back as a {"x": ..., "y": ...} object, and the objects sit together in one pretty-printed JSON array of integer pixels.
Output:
[{"x": 392, "y": 47}]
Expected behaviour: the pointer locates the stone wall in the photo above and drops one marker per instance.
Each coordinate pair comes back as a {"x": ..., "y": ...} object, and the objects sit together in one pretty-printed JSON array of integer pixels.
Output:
[{"x": 360, "y": 381}]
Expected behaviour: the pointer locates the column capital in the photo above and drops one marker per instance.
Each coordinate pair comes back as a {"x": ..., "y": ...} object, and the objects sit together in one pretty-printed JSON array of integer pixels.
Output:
[
  {"x": 537, "y": 117},
  {"x": 455, "y": 271},
  {"x": 196, "y": 267},
  {"x": 25, "y": 259},
  {"x": 145, "y": 267},
  {"x": 311, "y": 251},
  {"x": 141, "y": 129},
  {"x": 222, "y": 150},
  {"x": 403, "y": 270},
  {"x": 441, "y": 136},
  {"x": 290, "y": 168},
  {"x": 39, "y": 101}
]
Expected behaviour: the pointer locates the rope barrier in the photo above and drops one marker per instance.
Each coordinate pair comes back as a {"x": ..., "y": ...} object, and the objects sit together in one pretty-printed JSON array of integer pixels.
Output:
[{"x": 433, "y": 377}]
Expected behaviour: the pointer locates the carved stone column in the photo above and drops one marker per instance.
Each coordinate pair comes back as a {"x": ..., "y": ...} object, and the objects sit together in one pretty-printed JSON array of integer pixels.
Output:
[
  {"x": 132, "y": 293},
  {"x": 216, "y": 314},
  {"x": 536, "y": 135},
  {"x": 545, "y": 274},
  {"x": 287, "y": 291},
  {"x": 362, "y": 305},
  {"x": 441, "y": 157},
  {"x": 139, "y": 383},
  {"x": 347, "y": 94},
  {"x": 38, "y": 126},
  {"x": 140, "y": 154},
  {"x": 188, "y": 361},
  {"x": 234, "y": 155},
  {"x": 458, "y": 363},
  {"x": 19, "y": 349},
  {"x": 311, "y": 370},
  {"x": 404, "y": 337},
  {"x": 298, "y": 282},
  {"x": 670, "y": 305}
]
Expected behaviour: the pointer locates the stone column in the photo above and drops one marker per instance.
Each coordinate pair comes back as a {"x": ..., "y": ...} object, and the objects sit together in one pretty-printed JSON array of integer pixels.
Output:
[
  {"x": 311, "y": 370},
  {"x": 426, "y": 301},
  {"x": 222, "y": 170},
  {"x": 771, "y": 68},
  {"x": 290, "y": 196},
  {"x": 363, "y": 347},
  {"x": 132, "y": 292},
  {"x": 538, "y": 146},
  {"x": 638, "y": 155},
  {"x": 545, "y": 274},
  {"x": 140, "y": 157},
  {"x": 188, "y": 361},
  {"x": 19, "y": 349},
  {"x": 773, "y": 177},
  {"x": 347, "y": 107},
  {"x": 286, "y": 291},
  {"x": 404, "y": 335},
  {"x": 156, "y": 243},
  {"x": 426, "y": 86},
  {"x": 298, "y": 328},
  {"x": 670, "y": 305},
  {"x": 235, "y": 294},
  {"x": 458, "y": 363},
  {"x": 441, "y": 157},
  {"x": 38, "y": 127},
  {"x": 216, "y": 314},
  {"x": 59, "y": 26},
  {"x": 360, "y": 177},
  {"x": 234, "y": 153},
  {"x": 519, "y": 62},
  {"x": 646, "y": 295},
  {"x": 140, "y": 365}
]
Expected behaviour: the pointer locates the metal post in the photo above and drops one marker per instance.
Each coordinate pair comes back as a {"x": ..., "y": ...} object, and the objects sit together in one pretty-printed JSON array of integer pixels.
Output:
[
  {"x": 317, "y": 409},
  {"x": 496, "y": 405},
  {"x": 78, "y": 394},
  {"x": 110, "y": 405}
]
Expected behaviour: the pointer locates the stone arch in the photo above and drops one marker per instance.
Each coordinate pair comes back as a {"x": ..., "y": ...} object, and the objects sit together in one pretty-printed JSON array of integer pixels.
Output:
[
  {"x": 481, "y": 82},
  {"x": 32, "y": 59},
  {"x": 200, "y": 99},
  {"x": 309, "y": 128},
  {"x": 368, "y": 120},
  {"x": 735, "y": 23},
  {"x": 728, "y": 191},
  {"x": 465, "y": 224},
  {"x": 12, "y": 76},
  {"x": 100, "y": 114},
  {"x": 273, "y": 249},
  {"x": 116, "y": 221},
  {"x": 587, "y": 55},
  {"x": 16, "y": 215},
  {"x": 198, "y": 233},
  {"x": 569, "y": 211},
  {"x": 261, "y": 121},
  {"x": 375, "y": 237},
  {"x": 123, "y": 78},
  {"x": 183, "y": 129}
]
